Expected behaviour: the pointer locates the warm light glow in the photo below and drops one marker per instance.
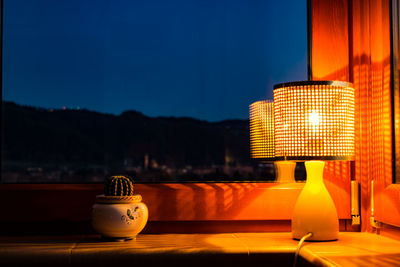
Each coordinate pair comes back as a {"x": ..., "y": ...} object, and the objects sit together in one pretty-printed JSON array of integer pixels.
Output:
[
  {"x": 262, "y": 129},
  {"x": 314, "y": 120}
]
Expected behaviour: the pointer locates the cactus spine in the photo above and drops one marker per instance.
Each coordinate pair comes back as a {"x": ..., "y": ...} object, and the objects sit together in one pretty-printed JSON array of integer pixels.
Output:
[{"x": 118, "y": 185}]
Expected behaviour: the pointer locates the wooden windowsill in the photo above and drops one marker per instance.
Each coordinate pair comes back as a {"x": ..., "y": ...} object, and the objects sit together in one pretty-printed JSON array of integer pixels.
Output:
[{"x": 234, "y": 249}]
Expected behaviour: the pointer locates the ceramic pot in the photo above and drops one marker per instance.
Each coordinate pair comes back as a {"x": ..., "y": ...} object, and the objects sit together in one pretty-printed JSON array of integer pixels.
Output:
[{"x": 119, "y": 217}]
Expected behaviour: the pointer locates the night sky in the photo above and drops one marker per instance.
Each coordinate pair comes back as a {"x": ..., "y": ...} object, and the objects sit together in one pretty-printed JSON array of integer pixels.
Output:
[{"x": 207, "y": 59}]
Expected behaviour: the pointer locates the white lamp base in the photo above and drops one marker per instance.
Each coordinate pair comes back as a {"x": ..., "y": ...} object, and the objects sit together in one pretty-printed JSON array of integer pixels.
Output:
[
  {"x": 315, "y": 211},
  {"x": 285, "y": 171}
]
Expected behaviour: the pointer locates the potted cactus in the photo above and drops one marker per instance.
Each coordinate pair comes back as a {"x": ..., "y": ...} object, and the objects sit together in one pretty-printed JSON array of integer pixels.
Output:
[{"x": 119, "y": 214}]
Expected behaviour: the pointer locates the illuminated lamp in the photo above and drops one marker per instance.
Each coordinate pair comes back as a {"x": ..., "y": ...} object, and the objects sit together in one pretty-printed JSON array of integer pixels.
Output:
[
  {"x": 262, "y": 139},
  {"x": 314, "y": 121}
]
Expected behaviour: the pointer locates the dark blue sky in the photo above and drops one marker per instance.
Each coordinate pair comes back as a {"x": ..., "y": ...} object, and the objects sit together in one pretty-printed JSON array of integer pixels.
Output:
[{"x": 207, "y": 59}]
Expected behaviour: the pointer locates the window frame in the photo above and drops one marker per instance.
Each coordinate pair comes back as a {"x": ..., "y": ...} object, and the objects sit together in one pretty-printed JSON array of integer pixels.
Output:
[{"x": 386, "y": 191}]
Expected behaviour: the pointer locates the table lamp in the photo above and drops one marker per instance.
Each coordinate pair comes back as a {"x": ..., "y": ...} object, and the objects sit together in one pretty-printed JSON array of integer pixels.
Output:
[
  {"x": 314, "y": 121},
  {"x": 262, "y": 139}
]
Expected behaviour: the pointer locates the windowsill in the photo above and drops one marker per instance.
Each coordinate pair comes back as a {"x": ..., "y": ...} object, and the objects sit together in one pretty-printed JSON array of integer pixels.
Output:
[{"x": 352, "y": 249}]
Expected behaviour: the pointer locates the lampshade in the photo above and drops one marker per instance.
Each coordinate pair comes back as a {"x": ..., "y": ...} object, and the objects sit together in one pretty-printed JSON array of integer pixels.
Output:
[
  {"x": 262, "y": 139},
  {"x": 314, "y": 120}
]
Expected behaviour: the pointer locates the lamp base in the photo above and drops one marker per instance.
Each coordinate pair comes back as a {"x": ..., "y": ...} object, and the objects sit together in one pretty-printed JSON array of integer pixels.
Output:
[
  {"x": 315, "y": 211},
  {"x": 285, "y": 171}
]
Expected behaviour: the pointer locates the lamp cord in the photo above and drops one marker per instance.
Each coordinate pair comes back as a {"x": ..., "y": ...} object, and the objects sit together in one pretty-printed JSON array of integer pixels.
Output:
[{"x": 299, "y": 247}]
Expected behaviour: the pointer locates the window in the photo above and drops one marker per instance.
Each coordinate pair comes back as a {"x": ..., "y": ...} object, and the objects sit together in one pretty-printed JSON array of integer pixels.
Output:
[
  {"x": 154, "y": 89},
  {"x": 250, "y": 203}
]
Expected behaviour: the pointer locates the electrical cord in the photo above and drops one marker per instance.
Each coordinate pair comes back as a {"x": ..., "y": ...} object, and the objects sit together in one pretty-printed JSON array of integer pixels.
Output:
[{"x": 299, "y": 247}]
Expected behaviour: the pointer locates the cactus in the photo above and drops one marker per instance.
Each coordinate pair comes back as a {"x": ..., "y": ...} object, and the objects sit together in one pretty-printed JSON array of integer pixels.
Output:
[{"x": 118, "y": 185}]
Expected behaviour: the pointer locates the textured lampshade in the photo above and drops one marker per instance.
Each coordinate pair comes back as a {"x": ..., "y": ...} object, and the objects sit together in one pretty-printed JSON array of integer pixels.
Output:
[
  {"x": 262, "y": 138},
  {"x": 314, "y": 120}
]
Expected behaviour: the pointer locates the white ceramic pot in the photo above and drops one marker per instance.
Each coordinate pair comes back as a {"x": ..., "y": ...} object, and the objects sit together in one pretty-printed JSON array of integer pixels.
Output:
[{"x": 119, "y": 217}]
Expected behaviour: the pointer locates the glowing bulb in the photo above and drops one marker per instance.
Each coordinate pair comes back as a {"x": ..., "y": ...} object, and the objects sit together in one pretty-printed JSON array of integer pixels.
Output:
[{"x": 314, "y": 118}]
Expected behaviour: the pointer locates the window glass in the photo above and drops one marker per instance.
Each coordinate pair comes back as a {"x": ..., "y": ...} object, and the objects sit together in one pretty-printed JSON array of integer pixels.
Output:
[{"x": 155, "y": 89}]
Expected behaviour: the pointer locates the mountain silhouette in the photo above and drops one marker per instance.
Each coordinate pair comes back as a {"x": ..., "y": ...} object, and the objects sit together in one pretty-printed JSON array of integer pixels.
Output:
[{"x": 78, "y": 139}]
